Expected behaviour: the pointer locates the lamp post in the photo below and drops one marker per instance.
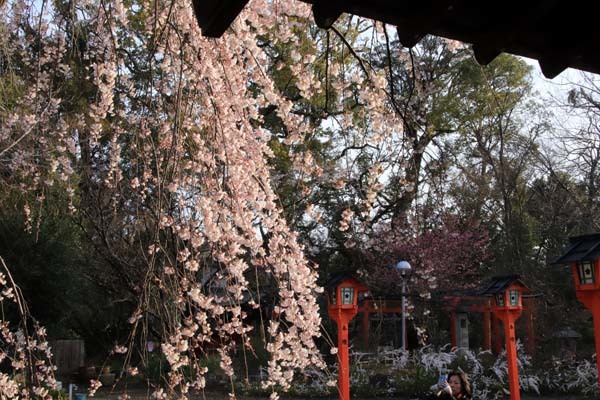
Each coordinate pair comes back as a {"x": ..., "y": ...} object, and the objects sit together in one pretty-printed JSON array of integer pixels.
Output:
[{"x": 404, "y": 268}]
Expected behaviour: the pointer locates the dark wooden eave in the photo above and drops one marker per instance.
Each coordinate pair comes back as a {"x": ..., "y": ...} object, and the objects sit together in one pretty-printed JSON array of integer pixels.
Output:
[
  {"x": 557, "y": 33},
  {"x": 215, "y": 16}
]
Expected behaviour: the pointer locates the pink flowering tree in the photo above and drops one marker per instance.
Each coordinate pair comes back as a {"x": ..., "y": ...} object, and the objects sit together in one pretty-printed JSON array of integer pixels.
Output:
[
  {"x": 446, "y": 256},
  {"x": 190, "y": 161},
  {"x": 164, "y": 159}
]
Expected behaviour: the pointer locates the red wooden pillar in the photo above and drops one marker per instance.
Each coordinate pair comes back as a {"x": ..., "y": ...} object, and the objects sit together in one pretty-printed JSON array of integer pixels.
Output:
[
  {"x": 508, "y": 317},
  {"x": 528, "y": 314},
  {"x": 451, "y": 303},
  {"x": 596, "y": 314},
  {"x": 487, "y": 329},
  {"x": 591, "y": 300},
  {"x": 496, "y": 335},
  {"x": 511, "y": 355},
  {"x": 453, "y": 329},
  {"x": 343, "y": 362},
  {"x": 364, "y": 326},
  {"x": 342, "y": 317}
]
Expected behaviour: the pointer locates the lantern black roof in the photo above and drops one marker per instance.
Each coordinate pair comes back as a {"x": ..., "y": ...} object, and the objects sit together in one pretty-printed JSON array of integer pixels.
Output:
[
  {"x": 581, "y": 248},
  {"x": 499, "y": 284},
  {"x": 558, "y": 33},
  {"x": 336, "y": 279}
]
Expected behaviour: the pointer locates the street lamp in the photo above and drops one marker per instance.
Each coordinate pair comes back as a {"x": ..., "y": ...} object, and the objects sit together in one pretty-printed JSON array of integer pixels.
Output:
[{"x": 404, "y": 268}]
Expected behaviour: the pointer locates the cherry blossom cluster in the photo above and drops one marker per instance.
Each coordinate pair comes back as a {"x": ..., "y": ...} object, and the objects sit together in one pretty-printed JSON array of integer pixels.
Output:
[{"x": 23, "y": 349}]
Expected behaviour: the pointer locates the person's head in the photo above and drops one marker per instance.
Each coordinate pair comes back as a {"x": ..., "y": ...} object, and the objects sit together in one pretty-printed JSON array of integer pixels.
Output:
[{"x": 459, "y": 383}]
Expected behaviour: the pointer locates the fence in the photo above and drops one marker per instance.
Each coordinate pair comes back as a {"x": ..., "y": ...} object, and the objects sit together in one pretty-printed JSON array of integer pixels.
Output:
[{"x": 69, "y": 355}]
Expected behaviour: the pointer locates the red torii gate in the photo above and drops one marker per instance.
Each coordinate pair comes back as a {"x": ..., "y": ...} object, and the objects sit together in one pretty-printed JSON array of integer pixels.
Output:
[
  {"x": 492, "y": 330},
  {"x": 379, "y": 306},
  {"x": 492, "y": 326}
]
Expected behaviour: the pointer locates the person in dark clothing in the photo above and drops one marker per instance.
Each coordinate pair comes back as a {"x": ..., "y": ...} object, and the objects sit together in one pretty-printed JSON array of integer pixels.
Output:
[{"x": 457, "y": 387}]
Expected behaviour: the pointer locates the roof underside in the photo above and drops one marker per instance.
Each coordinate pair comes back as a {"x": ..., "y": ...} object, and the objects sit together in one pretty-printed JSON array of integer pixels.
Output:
[{"x": 559, "y": 34}]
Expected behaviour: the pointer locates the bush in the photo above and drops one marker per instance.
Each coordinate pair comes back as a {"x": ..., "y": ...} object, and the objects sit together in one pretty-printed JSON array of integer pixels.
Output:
[{"x": 391, "y": 372}]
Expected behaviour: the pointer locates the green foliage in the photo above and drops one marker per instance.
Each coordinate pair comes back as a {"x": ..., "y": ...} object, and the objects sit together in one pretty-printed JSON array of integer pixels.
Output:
[
  {"x": 579, "y": 377},
  {"x": 156, "y": 368},
  {"x": 52, "y": 266},
  {"x": 59, "y": 394},
  {"x": 42, "y": 264},
  {"x": 11, "y": 89},
  {"x": 414, "y": 381},
  {"x": 253, "y": 359}
]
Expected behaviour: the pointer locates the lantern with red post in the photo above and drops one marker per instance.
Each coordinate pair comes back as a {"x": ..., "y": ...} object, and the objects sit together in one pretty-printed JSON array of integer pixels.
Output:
[
  {"x": 507, "y": 306},
  {"x": 342, "y": 305},
  {"x": 583, "y": 255}
]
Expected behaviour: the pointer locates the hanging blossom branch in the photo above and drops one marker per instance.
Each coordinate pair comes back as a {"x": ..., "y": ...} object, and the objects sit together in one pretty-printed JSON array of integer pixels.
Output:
[
  {"x": 185, "y": 150},
  {"x": 23, "y": 346}
]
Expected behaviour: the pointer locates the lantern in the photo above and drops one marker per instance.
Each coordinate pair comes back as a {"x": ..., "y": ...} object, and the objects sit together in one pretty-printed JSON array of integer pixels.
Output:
[
  {"x": 332, "y": 300},
  {"x": 508, "y": 293},
  {"x": 585, "y": 272},
  {"x": 514, "y": 298},
  {"x": 583, "y": 255},
  {"x": 500, "y": 300},
  {"x": 347, "y": 293},
  {"x": 343, "y": 294}
]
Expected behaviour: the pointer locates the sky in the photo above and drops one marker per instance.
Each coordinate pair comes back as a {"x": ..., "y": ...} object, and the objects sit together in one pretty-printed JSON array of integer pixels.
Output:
[{"x": 551, "y": 90}]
